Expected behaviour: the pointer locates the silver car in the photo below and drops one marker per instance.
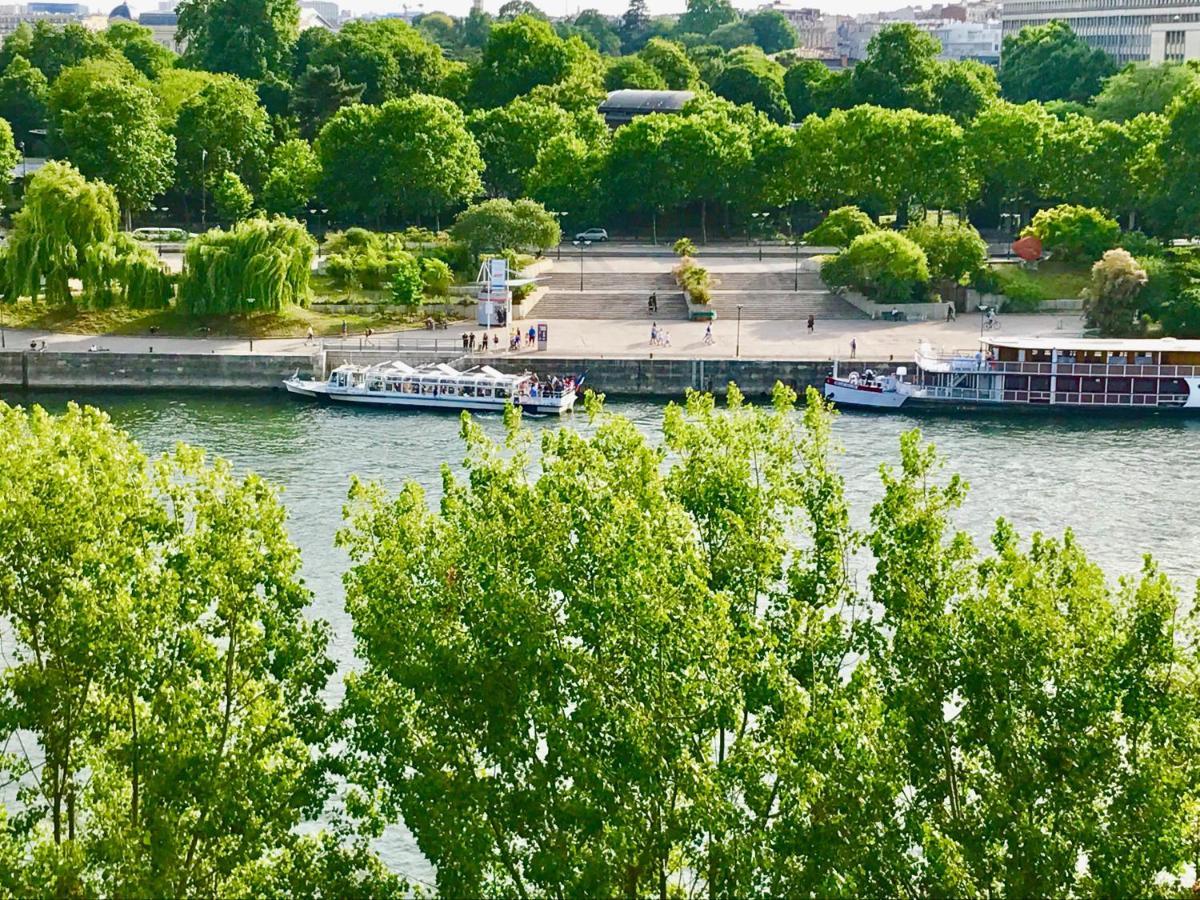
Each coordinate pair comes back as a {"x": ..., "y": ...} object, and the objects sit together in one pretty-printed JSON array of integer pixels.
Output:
[{"x": 592, "y": 234}]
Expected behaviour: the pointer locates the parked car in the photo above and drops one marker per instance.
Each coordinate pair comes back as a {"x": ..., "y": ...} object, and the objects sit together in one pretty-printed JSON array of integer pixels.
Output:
[
  {"x": 592, "y": 234},
  {"x": 161, "y": 235}
]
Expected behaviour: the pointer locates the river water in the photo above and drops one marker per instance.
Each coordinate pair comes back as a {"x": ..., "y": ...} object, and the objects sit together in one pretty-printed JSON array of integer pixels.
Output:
[{"x": 1124, "y": 485}]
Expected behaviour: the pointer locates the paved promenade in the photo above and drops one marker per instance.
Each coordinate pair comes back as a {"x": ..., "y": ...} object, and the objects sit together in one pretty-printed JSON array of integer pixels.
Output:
[{"x": 599, "y": 338}]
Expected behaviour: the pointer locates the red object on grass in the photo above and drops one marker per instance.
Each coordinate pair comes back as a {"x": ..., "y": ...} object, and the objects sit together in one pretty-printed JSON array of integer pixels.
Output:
[{"x": 1028, "y": 248}]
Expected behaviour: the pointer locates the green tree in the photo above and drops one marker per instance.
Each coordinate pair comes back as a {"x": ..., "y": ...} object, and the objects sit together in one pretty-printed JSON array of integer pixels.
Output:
[
  {"x": 569, "y": 177},
  {"x": 710, "y": 153},
  {"x": 293, "y": 178},
  {"x": 883, "y": 265},
  {"x": 731, "y": 35},
  {"x": 1180, "y": 167},
  {"x": 964, "y": 89},
  {"x": 407, "y": 284},
  {"x": 388, "y": 57},
  {"x": 1007, "y": 146},
  {"x": 52, "y": 48},
  {"x": 23, "y": 91},
  {"x": 1050, "y": 62},
  {"x": 109, "y": 128},
  {"x": 258, "y": 265},
  {"x": 601, "y": 30},
  {"x": 669, "y": 59},
  {"x": 1142, "y": 88},
  {"x": 519, "y": 55},
  {"x": 223, "y": 128},
  {"x": 634, "y": 24},
  {"x": 1074, "y": 232},
  {"x": 802, "y": 85},
  {"x": 749, "y": 77},
  {"x": 233, "y": 199},
  {"x": 62, "y": 217},
  {"x": 498, "y": 225},
  {"x": 246, "y": 38},
  {"x": 706, "y": 16},
  {"x": 772, "y": 32},
  {"x": 901, "y": 69},
  {"x": 509, "y": 138},
  {"x": 840, "y": 228},
  {"x": 320, "y": 92},
  {"x": 955, "y": 252},
  {"x": 164, "y": 663},
  {"x": 136, "y": 43},
  {"x": 633, "y": 72}
]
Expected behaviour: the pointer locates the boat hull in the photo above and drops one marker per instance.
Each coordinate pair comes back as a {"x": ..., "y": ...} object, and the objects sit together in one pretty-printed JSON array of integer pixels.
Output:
[{"x": 844, "y": 393}]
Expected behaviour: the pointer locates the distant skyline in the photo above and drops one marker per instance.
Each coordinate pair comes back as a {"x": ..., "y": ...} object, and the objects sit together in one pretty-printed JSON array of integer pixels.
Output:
[{"x": 559, "y": 8}]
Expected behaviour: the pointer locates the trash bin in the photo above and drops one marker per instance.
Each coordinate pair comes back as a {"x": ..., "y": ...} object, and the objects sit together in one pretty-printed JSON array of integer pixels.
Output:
[{"x": 542, "y": 335}]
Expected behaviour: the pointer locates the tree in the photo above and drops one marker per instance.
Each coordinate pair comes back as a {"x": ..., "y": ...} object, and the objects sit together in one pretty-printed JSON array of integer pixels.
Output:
[
  {"x": 1142, "y": 88},
  {"x": 136, "y": 43},
  {"x": 668, "y": 58},
  {"x": 802, "y": 87},
  {"x": 388, "y": 57},
  {"x": 512, "y": 9},
  {"x": 293, "y": 178},
  {"x": 406, "y": 158},
  {"x": 247, "y": 38},
  {"x": 840, "y": 228},
  {"x": 223, "y": 128},
  {"x": 52, "y": 48},
  {"x": 569, "y": 177},
  {"x": 172, "y": 764},
  {"x": 955, "y": 252},
  {"x": 319, "y": 93},
  {"x": 519, "y": 55},
  {"x": 883, "y": 265},
  {"x": 258, "y": 265},
  {"x": 310, "y": 42},
  {"x": 901, "y": 69},
  {"x": 1050, "y": 62},
  {"x": 709, "y": 151},
  {"x": 109, "y": 128},
  {"x": 438, "y": 28},
  {"x": 1111, "y": 297},
  {"x": 498, "y": 225},
  {"x": 407, "y": 284},
  {"x": 749, "y": 77},
  {"x": 600, "y": 29},
  {"x": 634, "y": 24},
  {"x": 1007, "y": 146},
  {"x": 1074, "y": 232},
  {"x": 772, "y": 32},
  {"x": 509, "y": 138},
  {"x": 964, "y": 89},
  {"x": 731, "y": 35},
  {"x": 633, "y": 72},
  {"x": 233, "y": 201},
  {"x": 62, "y": 218},
  {"x": 23, "y": 92},
  {"x": 706, "y": 16}
]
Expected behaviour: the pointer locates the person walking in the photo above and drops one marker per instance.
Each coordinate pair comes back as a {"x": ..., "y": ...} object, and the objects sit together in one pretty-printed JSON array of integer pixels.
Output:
[
  {"x": 812, "y": 321},
  {"x": 654, "y": 335},
  {"x": 950, "y": 314},
  {"x": 708, "y": 335},
  {"x": 471, "y": 341},
  {"x": 483, "y": 342},
  {"x": 345, "y": 330},
  {"x": 308, "y": 336},
  {"x": 853, "y": 348}
]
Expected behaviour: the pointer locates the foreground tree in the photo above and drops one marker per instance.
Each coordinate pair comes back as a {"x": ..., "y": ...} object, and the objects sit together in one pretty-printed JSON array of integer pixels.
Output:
[{"x": 160, "y": 658}]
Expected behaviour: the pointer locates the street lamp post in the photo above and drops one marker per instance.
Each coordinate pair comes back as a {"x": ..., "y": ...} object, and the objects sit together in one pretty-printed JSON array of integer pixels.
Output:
[
  {"x": 581, "y": 245},
  {"x": 560, "y": 216},
  {"x": 24, "y": 164},
  {"x": 203, "y": 191},
  {"x": 759, "y": 219},
  {"x": 796, "y": 242},
  {"x": 737, "y": 349}
]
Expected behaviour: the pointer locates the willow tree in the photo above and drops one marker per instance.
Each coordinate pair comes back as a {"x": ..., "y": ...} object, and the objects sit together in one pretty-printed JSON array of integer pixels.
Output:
[
  {"x": 64, "y": 217},
  {"x": 125, "y": 272},
  {"x": 261, "y": 264}
]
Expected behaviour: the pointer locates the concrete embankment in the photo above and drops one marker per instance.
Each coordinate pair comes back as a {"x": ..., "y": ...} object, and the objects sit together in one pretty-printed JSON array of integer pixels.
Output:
[{"x": 663, "y": 377}]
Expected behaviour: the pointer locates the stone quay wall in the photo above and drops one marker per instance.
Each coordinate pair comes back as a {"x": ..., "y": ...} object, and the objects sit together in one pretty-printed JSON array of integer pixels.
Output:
[{"x": 214, "y": 371}]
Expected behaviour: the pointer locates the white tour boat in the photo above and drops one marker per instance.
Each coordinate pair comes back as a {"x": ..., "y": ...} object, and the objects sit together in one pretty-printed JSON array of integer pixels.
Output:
[
  {"x": 438, "y": 386},
  {"x": 1059, "y": 372}
]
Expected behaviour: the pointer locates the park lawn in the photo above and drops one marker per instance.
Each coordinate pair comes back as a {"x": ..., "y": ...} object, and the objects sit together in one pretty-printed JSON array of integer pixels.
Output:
[
  {"x": 1049, "y": 281},
  {"x": 292, "y": 321}
]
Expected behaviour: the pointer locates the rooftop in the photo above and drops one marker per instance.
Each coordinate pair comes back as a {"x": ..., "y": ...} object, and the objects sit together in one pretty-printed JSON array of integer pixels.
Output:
[
  {"x": 646, "y": 101},
  {"x": 1115, "y": 345}
]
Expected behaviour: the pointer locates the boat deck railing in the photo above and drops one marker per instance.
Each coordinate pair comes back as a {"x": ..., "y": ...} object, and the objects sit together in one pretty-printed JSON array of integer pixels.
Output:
[{"x": 965, "y": 362}]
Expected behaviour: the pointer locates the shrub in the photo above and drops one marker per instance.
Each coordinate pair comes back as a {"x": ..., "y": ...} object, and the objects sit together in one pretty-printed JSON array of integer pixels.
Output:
[
  {"x": 1111, "y": 301},
  {"x": 436, "y": 275},
  {"x": 694, "y": 279},
  {"x": 684, "y": 247},
  {"x": 882, "y": 265},
  {"x": 1182, "y": 317},
  {"x": 954, "y": 252},
  {"x": 841, "y": 227},
  {"x": 407, "y": 286},
  {"x": 1074, "y": 232}
]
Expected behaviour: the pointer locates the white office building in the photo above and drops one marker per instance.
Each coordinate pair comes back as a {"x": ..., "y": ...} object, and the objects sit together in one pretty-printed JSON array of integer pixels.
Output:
[{"x": 1122, "y": 28}]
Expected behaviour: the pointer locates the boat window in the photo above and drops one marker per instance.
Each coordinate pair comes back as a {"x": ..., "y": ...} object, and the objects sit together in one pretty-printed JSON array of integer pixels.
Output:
[
  {"x": 1039, "y": 383},
  {"x": 1173, "y": 386},
  {"x": 1120, "y": 385},
  {"x": 1018, "y": 382},
  {"x": 1144, "y": 386},
  {"x": 1068, "y": 383},
  {"x": 1116, "y": 359},
  {"x": 1092, "y": 385}
]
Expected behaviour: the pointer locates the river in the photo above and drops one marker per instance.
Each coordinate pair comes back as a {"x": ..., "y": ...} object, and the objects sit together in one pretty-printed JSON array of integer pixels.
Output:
[{"x": 1123, "y": 484}]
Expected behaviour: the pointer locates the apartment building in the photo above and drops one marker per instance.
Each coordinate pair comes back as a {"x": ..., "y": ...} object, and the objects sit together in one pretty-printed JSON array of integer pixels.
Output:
[{"x": 1122, "y": 28}]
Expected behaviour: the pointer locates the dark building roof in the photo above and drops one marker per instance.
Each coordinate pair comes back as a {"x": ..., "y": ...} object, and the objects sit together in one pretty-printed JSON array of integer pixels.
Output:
[
  {"x": 121, "y": 12},
  {"x": 158, "y": 18},
  {"x": 622, "y": 106}
]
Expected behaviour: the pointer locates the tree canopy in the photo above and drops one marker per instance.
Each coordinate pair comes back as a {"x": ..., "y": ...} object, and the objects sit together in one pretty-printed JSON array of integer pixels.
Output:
[
  {"x": 247, "y": 38},
  {"x": 1051, "y": 62}
]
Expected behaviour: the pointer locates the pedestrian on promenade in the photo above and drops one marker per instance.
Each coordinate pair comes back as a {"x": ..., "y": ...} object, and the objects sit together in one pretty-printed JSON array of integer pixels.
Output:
[
  {"x": 853, "y": 348},
  {"x": 950, "y": 314},
  {"x": 465, "y": 340},
  {"x": 532, "y": 335},
  {"x": 666, "y": 338},
  {"x": 471, "y": 341},
  {"x": 708, "y": 335},
  {"x": 654, "y": 335},
  {"x": 367, "y": 335},
  {"x": 308, "y": 336},
  {"x": 812, "y": 320},
  {"x": 495, "y": 340},
  {"x": 345, "y": 330},
  {"x": 483, "y": 342}
]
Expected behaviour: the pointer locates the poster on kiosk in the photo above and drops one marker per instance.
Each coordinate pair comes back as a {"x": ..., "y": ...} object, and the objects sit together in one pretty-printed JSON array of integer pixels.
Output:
[{"x": 494, "y": 293}]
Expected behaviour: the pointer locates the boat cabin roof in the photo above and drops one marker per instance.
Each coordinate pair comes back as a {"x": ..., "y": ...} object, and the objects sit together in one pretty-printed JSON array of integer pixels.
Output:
[
  {"x": 1094, "y": 345},
  {"x": 436, "y": 372}
]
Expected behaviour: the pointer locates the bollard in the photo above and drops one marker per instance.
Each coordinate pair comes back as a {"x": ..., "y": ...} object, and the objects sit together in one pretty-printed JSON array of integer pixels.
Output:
[
  {"x": 151, "y": 348},
  {"x": 251, "y": 345}
]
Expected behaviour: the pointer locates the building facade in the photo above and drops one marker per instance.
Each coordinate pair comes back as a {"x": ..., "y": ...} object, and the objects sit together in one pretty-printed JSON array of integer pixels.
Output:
[{"x": 1121, "y": 28}]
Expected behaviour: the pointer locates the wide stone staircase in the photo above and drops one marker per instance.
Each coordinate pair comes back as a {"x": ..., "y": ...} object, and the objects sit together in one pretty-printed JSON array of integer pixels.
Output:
[{"x": 763, "y": 295}]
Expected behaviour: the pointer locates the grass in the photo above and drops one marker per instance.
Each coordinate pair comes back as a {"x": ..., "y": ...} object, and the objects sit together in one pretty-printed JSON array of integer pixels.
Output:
[
  {"x": 1049, "y": 281},
  {"x": 293, "y": 321}
]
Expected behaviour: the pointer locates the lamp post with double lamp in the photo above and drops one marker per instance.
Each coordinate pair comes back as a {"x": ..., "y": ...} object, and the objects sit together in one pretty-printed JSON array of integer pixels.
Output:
[
  {"x": 315, "y": 212},
  {"x": 759, "y": 219},
  {"x": 559, "y": 216},
  {"x": 737, "y": 348},
  {"x": 581, "y": 245}
]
